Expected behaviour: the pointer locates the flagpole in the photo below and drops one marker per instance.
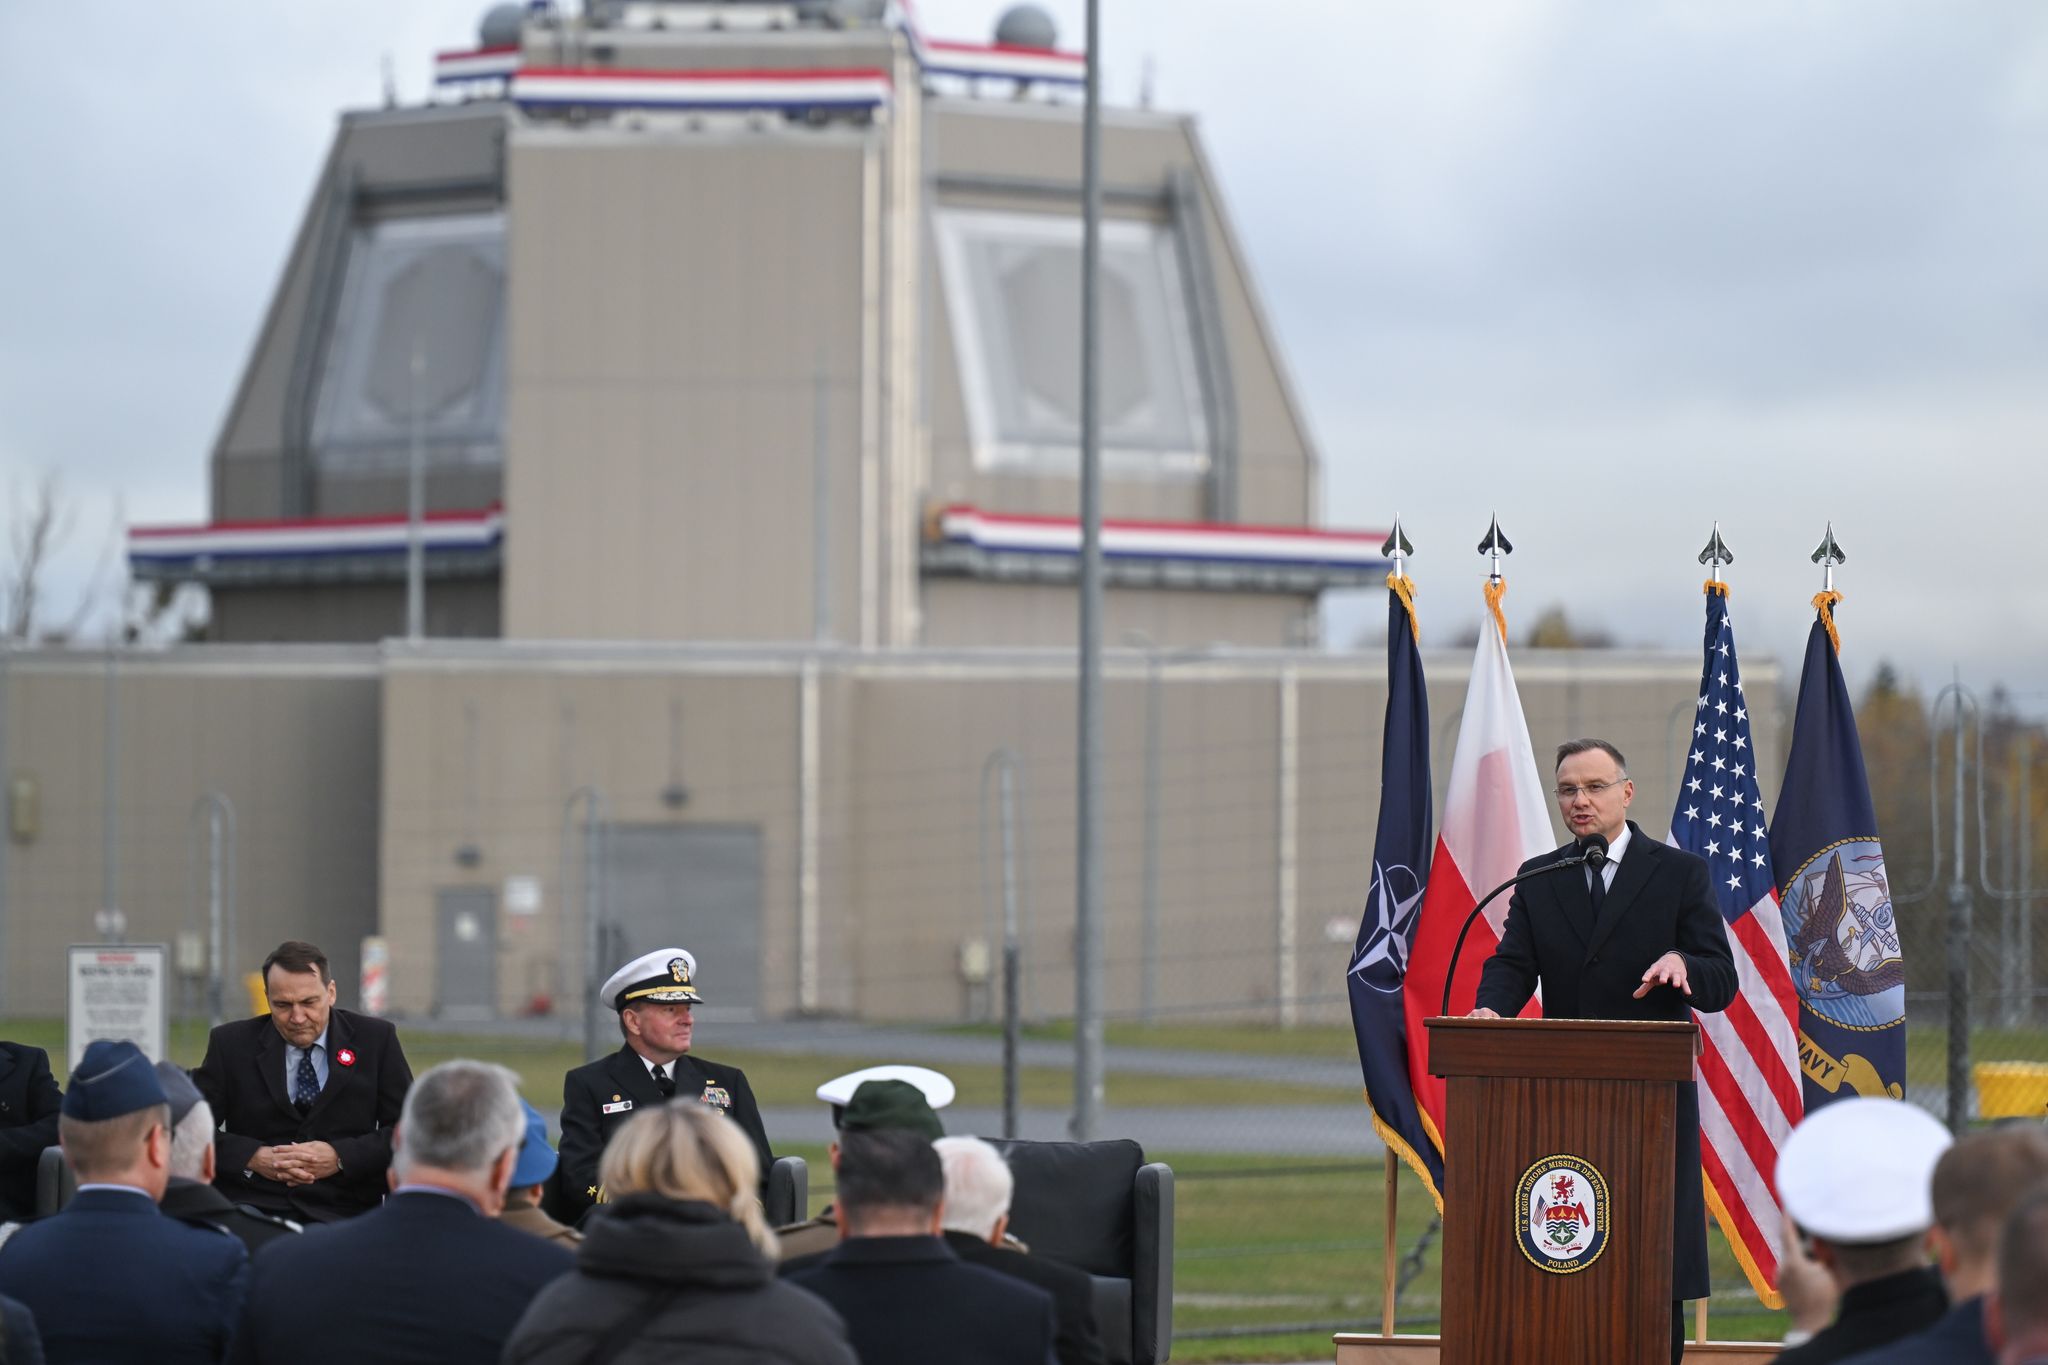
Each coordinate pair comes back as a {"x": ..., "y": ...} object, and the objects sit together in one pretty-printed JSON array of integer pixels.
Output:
[
  {"x": 1714, "y": 556},
  {"x": 1397, "y": 549},
  {"x": 1388, "y": 1261}
]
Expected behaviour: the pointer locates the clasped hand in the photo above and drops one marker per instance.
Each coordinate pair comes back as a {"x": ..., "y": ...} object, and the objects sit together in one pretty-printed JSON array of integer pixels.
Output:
[{"x": 295, "y": 1163}]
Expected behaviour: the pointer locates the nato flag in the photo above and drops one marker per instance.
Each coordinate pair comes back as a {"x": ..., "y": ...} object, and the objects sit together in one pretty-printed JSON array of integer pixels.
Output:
[
  {"x": 1402, "y": 848},
  {"x": 1837, "y": 904}
]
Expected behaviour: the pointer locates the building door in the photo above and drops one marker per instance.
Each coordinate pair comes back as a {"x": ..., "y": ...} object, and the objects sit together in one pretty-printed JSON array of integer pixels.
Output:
[
  {"x": 466, "y": 940},
  {"x": 689, "y": 886}
]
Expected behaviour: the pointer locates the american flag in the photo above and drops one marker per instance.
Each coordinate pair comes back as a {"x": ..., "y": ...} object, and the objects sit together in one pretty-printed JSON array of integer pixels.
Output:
[{"x": 1748, "y": 1071}]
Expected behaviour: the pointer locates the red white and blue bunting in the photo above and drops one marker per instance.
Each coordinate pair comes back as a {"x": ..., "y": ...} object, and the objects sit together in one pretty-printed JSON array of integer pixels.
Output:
[{"x": 160, "y": 552}]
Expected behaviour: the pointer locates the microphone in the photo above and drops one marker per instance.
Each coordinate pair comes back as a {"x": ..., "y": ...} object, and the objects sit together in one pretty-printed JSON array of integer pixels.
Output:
[{"x": 1592, "y": 853}]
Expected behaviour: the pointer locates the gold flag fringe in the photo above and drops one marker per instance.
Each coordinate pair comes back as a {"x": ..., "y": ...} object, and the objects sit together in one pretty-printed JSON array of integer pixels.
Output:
[
  {"x": 1494, "y": 593},
  {"x": 1824, "y": 603},
  {"x": 1404, "y": 588}
]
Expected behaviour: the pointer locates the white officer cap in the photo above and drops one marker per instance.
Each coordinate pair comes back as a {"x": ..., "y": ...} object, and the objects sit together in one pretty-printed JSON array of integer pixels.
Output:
[
  {"x": 1860, "y": 1170},
  {"x": 937, "y": 1088},
  {"x": 662, "y": 977}
]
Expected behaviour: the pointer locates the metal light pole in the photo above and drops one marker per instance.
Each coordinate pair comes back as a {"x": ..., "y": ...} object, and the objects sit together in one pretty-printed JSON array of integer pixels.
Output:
[
  {"x": 593, "y": 906},
  {"x": 218, "y": 813},
  {"x": 1959, "y": 950},
  {"x": 416, "y": 513},
  {"x": 1088, "y": 867}
]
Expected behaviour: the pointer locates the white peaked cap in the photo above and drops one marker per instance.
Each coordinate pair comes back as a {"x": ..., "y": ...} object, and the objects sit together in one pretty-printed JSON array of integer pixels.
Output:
[
  {"x": 938, "y": 1088},
  {"x": 664, "y": 976},
  {"x": 1860, "y": 1170}
]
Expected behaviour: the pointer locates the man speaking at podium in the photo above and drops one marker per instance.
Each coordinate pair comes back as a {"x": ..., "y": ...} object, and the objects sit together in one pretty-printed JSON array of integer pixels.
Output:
[{"x": 1638, "y": 938}]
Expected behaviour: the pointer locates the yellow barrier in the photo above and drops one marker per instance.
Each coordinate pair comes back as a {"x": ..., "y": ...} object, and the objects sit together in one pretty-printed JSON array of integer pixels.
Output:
[
  {"x": 2011, "y": 1089},
  {"x": 259, "y": 999}
]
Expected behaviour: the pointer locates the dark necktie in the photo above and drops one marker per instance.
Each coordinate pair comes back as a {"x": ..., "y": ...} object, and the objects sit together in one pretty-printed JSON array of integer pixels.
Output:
[
  {"x": 305, "y": 1083},
  {"x": 1598, "y": 891},
  {"x": 665, "y": 1083}
]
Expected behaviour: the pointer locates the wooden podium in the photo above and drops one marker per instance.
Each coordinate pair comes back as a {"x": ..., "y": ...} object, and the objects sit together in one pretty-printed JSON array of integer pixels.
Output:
[{"x": 1557, "y": 1187}]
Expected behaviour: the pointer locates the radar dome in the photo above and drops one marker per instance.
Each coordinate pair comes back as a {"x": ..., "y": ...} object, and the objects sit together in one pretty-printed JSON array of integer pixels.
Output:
[
  {"x": 501, "y": 26},
  {"x": 1026, "y": 26}
]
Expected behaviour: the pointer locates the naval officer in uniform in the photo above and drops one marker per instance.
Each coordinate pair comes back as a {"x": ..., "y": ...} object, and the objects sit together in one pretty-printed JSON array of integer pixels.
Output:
[{"x": 654, "y": 995}]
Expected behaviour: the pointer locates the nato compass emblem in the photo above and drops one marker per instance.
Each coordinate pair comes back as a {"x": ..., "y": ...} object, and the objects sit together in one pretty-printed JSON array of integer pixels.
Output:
[
  {"x": 1844, "y": 943},
  {"x": 1562, "y": 1202},
  {"x": 1382, "y": 958}
]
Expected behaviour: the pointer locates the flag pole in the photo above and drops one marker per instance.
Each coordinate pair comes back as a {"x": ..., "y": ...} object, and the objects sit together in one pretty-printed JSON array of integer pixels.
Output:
[
  {"x": 1397, "y": 549},
  {"x": 1714, "y": 556}
]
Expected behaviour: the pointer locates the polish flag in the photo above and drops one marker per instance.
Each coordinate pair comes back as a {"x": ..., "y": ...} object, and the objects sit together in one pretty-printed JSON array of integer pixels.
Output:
[{"x": 1496, "y": 817}]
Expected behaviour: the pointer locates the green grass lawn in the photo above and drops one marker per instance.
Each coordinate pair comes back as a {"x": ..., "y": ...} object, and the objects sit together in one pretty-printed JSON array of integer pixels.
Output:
[{"x": 777, "y": 1078}]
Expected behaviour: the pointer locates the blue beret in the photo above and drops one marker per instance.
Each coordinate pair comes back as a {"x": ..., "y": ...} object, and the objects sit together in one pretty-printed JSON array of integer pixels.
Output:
[{"x": 110, "y": 1080}]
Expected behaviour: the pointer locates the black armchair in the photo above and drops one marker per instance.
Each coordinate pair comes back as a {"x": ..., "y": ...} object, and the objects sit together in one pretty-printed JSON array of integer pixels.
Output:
[
  {"x": 788, "y": 1192},
  {"x": 1099, "y": 1207},
  {"x": 55, "y": 1182}
]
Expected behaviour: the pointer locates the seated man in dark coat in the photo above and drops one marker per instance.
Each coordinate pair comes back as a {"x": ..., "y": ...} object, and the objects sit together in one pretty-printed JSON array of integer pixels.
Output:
[
  {"x": 431, "y": 1277},
  {"x": 906, "y": 1297},
  {"x": 29, "y": 1100},
  {"x": 110, "y": 1278},
  {"x": 654, "y": 995},
  {"x": 305, "y": 1096},
  {"x": 190, "y": 1196},
  {"x": 978, "y": 1191}
]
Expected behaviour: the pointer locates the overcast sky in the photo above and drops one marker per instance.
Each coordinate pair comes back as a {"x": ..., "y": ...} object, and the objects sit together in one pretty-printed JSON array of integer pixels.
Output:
[{"x": 1614, "y": 270}]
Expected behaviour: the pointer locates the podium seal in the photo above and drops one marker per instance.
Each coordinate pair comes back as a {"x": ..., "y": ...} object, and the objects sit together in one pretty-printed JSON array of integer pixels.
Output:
[{"x": 1561, "y": 1204}]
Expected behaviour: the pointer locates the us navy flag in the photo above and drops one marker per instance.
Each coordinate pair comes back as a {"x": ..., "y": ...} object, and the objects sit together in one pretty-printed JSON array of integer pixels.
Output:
[
  {"x": 1401, "y": 852},
  {"x": 1837, "y": 905}
]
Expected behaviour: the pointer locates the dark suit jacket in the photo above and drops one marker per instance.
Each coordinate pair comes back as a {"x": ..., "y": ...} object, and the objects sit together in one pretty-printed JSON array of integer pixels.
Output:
[
  {"x": 23, "y": 1343},
  {"x": 191, "y": 1201},
  {"x": 1073, "y": 1293},
  {"x": 1956, "y": 1339},
  {"x": 111, "y": 1279},
  {"x": 242, "y": 1078},
  {"x": 29, "y": 1101},
  {"x": 425, "y": 1278},
  {"x": 622, "y": 1079},
  {"x": 1660, "y": 900},
  {"x": 1876, "y": 1313},
  {"x": 911, "y": 1301}
]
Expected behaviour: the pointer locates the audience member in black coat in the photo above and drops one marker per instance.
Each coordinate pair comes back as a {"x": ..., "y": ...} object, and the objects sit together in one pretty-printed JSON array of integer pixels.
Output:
[
  {"x": 19, "y": 1342},
  {"x": 1977, "y": 1185},
  {"x": 678, "y": 1264},
  {"x": 979, "y": 1188},
  {"x": 305, "y": 1096},
  {"x": 430, "y": 1278},
  {"x": 906, "y": 1298},
  {"x": 1854, "y": 1179},
  {"x": 29, "y": 1101}
]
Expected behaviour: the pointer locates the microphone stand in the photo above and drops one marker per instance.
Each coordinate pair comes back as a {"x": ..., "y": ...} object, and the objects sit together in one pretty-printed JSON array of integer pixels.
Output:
[{"x": 1595, "y": 855}]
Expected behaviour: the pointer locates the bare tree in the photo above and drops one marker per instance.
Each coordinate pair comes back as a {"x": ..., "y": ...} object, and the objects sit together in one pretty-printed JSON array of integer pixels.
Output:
[
  {"x": 37, "y": 527},
  {"x": 40, "y": 524}
]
